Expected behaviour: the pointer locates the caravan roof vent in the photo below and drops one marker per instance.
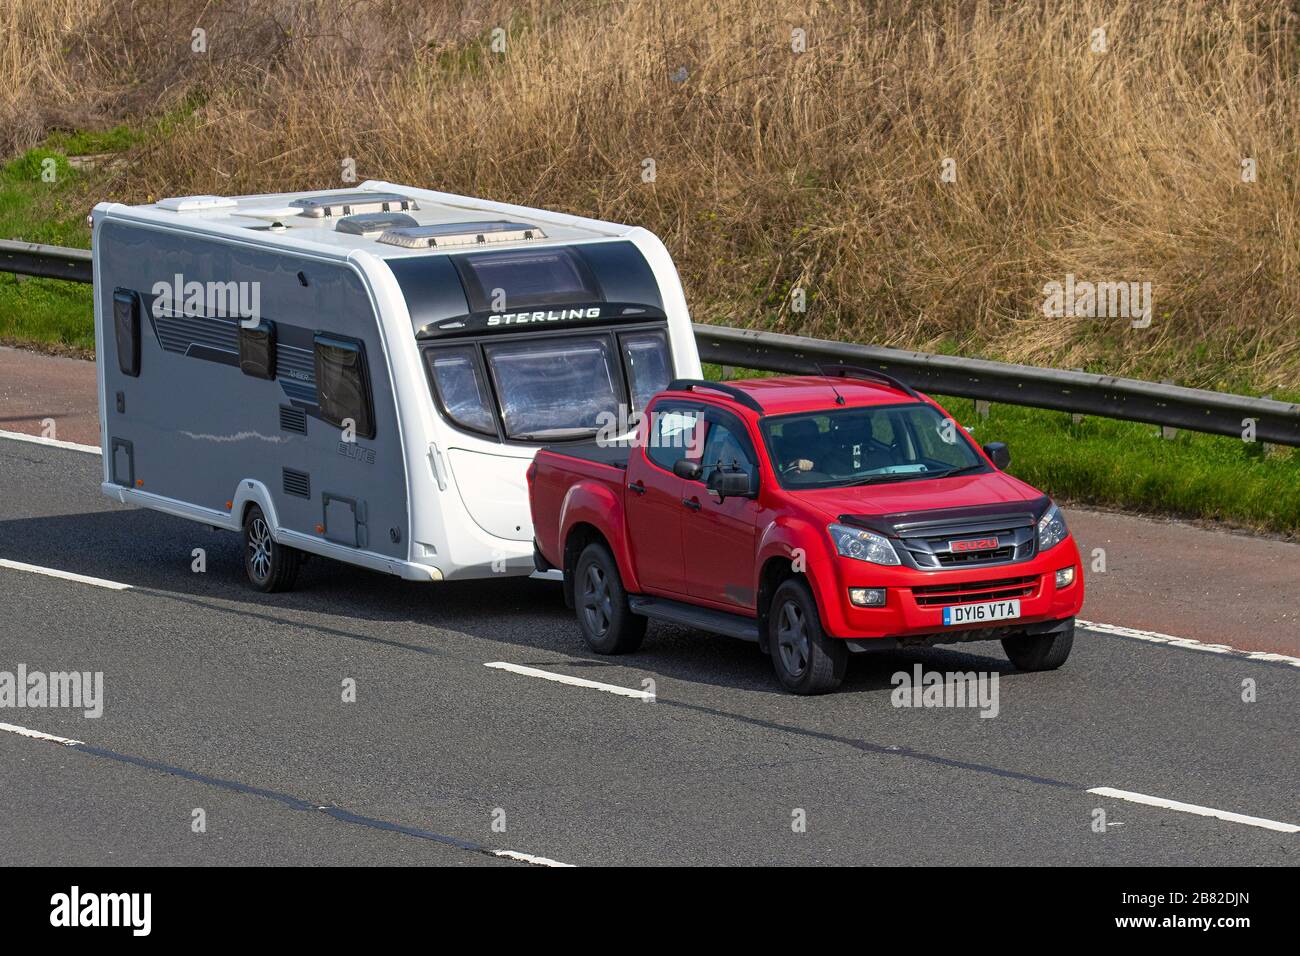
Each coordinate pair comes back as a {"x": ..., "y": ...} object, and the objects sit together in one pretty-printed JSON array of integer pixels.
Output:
[
  {"x": 345, "y": 204},
  {"x": 373, "y": 223},
  {"x": 195, "y": 203},
  {"x": 446, "y": 235}
]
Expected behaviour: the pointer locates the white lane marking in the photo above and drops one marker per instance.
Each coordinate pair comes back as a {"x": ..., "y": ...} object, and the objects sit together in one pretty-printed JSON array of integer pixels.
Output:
[
  {"x": 575, "y": 681},
  {"x": 37, "y": 735},
  {"x": 529, "y": 858},
  {"x": 1155, "y": 637},
  {"x": 65, "y": 575},
  {"x": 1194, "y": 808},
  {"x": 51, "y": 442}
]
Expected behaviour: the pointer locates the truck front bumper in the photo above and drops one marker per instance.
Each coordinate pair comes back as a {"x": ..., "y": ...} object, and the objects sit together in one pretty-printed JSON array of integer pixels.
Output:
[{"x": 914, "y": 600}]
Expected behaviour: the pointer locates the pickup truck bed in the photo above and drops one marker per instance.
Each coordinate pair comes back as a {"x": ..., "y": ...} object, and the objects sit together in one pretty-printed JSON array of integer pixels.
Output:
[{"x": 602, "y": 453}]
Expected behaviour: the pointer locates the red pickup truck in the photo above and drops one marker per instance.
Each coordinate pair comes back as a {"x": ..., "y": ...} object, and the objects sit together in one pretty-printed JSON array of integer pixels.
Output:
[{"x": 815, "y": 515}]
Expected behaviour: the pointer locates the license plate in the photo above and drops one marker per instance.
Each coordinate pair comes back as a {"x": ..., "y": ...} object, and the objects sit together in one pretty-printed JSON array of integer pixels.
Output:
[{"x": 980, "y": 613}]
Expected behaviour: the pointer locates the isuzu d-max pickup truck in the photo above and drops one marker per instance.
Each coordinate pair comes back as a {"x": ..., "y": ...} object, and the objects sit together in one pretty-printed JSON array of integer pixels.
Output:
[{"x": 815, "y": 515}]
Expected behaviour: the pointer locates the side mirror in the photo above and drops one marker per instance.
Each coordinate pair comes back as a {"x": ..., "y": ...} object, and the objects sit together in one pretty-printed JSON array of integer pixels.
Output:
[
  {"x": 730, "y": 484},
  {"x": 685, "y": 468},
  {"x": 998, "y": 454}
]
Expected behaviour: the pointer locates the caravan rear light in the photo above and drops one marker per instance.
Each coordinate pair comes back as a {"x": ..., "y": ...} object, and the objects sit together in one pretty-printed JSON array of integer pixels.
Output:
[
  {"x": 373, "y": 223},
  {"x": 346, "y": 204},
  {"x": 449, "y": 234}
]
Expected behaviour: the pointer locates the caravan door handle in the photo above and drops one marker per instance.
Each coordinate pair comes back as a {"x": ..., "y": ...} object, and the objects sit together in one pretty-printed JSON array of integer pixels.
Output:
[
  {"x": 692, "y": 503},
  {"x": 637, "y": 487}
]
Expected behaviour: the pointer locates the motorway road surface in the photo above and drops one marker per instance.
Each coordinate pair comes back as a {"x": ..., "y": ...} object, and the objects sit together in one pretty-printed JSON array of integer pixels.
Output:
[{"x": 223, "y": 699}]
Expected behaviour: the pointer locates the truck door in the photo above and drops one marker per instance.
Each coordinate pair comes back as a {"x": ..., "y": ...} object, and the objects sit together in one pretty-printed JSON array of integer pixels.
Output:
[
  {"x": 654, "y": 494},
  {"x": 718, "y": 536}
]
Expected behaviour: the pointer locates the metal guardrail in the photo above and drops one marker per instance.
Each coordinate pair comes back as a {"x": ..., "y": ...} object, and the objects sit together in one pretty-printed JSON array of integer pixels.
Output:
[
  {"x": 50, "y": 262},
  {"x": 1194, "y": 409}
]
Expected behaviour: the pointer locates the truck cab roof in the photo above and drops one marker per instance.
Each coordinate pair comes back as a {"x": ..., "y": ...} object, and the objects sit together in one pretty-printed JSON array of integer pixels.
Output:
[{"x": 787, "y": 394}]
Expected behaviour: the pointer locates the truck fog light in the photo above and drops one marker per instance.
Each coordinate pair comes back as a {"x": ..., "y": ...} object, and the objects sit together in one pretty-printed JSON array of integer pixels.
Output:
[
  {"x": 1064, "y": 578},
  {"x": 869, "y": 597}
]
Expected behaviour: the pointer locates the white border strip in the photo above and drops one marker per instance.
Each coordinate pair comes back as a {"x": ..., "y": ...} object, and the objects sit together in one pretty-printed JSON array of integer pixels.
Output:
[
  {"x": 37, "y": 735},
  {"x": 1155, "y": 637},
  {"x": 1193, "y": 808},
  {"x": 51, "y": 442},
  {"x": 529, "y": 858},
  {"x": 65, "y": 575},
  {"x": 574, "y": 681}
]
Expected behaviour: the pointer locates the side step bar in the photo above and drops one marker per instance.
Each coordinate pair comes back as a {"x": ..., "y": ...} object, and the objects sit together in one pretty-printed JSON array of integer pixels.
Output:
[{"x": 688, "y": 615}]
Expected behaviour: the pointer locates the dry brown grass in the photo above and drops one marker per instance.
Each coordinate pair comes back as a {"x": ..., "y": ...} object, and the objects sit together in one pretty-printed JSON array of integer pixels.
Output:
[{"x": 774, "y": 170}]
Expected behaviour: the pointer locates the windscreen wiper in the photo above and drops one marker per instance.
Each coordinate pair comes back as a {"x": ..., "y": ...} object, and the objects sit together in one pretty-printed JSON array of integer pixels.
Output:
[
  {"x": 964, "y": 470},
  {"x": 556, "y": 434}
]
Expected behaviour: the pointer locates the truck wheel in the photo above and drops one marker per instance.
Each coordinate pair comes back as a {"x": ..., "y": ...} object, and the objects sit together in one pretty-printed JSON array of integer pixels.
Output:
[
  {"x": 1039, "y": 652},
  {"x": 807, "y": 661},
  {"x": 269, "y": 566},
  {"x": 606, "y": 621}
]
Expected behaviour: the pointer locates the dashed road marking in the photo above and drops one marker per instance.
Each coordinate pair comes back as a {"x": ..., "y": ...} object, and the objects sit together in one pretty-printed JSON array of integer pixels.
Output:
[
  {"x": 1155, "y": 637},
  {"x": 529, "y": 858},
  {"x": 1200, "y": 811},
  {"x": 574, "y": 681},
  {"x": 51, "y": 442},
  {"x": 64, "y": 575},
  {"x": 37, "y": 735}
]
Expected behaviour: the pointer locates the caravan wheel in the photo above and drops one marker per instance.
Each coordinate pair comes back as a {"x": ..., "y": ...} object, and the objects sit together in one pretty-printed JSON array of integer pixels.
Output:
[{"x": 269, "y": 566}]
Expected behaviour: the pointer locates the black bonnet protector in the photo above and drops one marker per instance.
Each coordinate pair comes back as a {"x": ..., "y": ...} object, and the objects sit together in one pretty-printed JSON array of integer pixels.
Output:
[{"x": 907, "y": 524}]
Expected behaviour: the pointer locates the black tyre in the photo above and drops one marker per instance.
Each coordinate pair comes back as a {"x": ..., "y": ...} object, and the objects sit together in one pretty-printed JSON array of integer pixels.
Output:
[
  {"x": 604, "y": 617},
  {"x": 807, "y": 661},
  {"x": 270, "y": 566},
  {"x": 1039, "y": 652}
]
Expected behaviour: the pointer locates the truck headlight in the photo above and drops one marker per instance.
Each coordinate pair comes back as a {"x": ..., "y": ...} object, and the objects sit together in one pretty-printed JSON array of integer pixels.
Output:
[
  {"x": 1051, "y": 528},
  {"x": 862, "y": 545}
]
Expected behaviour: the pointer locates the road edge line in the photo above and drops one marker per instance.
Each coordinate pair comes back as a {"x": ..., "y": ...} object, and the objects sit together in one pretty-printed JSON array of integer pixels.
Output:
[{"x": 51, "y": 442}]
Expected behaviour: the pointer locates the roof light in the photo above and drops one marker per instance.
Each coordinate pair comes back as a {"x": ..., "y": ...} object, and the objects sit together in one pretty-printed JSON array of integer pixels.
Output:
[
  {"x": 345, "y": 204},
  {"x": 446, "y": 235},
  {"x": 195, "y": 203},
  {"x": 373, "y": 223}
]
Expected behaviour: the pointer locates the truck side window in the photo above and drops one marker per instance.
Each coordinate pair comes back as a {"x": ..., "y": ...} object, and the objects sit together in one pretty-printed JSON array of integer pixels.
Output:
[
  {"x": 460, "y": 389},
  {"x": 342, "y": 385},
  {"x": 726, "y": 449},
  {"x": 674, "y": 433}
]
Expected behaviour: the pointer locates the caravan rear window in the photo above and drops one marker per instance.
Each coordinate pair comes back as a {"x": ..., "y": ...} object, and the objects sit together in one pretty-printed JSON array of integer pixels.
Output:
[
  {"x": 555, "y": 389},
  {"x": 498, "y": 281},
  {"x": 342, "y": 385},
  {"x": 459, "y": 387}
]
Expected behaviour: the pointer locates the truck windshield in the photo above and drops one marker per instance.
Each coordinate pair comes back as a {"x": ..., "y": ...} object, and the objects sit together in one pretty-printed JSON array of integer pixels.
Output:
[{"x": 868, "y": 445}]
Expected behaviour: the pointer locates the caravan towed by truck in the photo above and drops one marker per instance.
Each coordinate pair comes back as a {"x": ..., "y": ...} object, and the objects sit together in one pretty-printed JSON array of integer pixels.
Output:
[{"x": 365, "y": 374}]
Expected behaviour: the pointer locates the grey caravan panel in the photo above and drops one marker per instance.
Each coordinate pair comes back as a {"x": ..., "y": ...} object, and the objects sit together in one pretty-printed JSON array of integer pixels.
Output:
[{"x": 196, "y": 425}]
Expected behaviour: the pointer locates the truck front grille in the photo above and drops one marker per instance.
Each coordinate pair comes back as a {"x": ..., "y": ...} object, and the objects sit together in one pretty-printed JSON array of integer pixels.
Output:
[{"x": 973, "y": 592}]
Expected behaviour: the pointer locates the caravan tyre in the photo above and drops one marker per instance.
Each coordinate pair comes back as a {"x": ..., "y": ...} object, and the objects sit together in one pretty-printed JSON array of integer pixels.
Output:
[{"x": 270, "y": 566}]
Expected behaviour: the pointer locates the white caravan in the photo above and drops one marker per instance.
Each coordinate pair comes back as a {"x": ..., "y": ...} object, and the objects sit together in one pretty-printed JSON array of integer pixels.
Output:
[{"x": 366, "y": 374}]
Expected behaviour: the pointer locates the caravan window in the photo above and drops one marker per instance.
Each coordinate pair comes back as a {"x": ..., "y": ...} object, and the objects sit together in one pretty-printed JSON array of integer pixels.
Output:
[
  {"x": 645, "y": 354},
  {"x": 459, "y": 387},
  {"x": 526, "y": 278},
  {"x": 342, "y": 385},
  {"x": 555, "y": 389}
]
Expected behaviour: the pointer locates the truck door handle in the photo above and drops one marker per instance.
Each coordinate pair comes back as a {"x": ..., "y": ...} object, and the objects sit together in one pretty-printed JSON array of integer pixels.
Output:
[
  {"x": 691, "y": 503},
  {"x": 637, "y": 487}
]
